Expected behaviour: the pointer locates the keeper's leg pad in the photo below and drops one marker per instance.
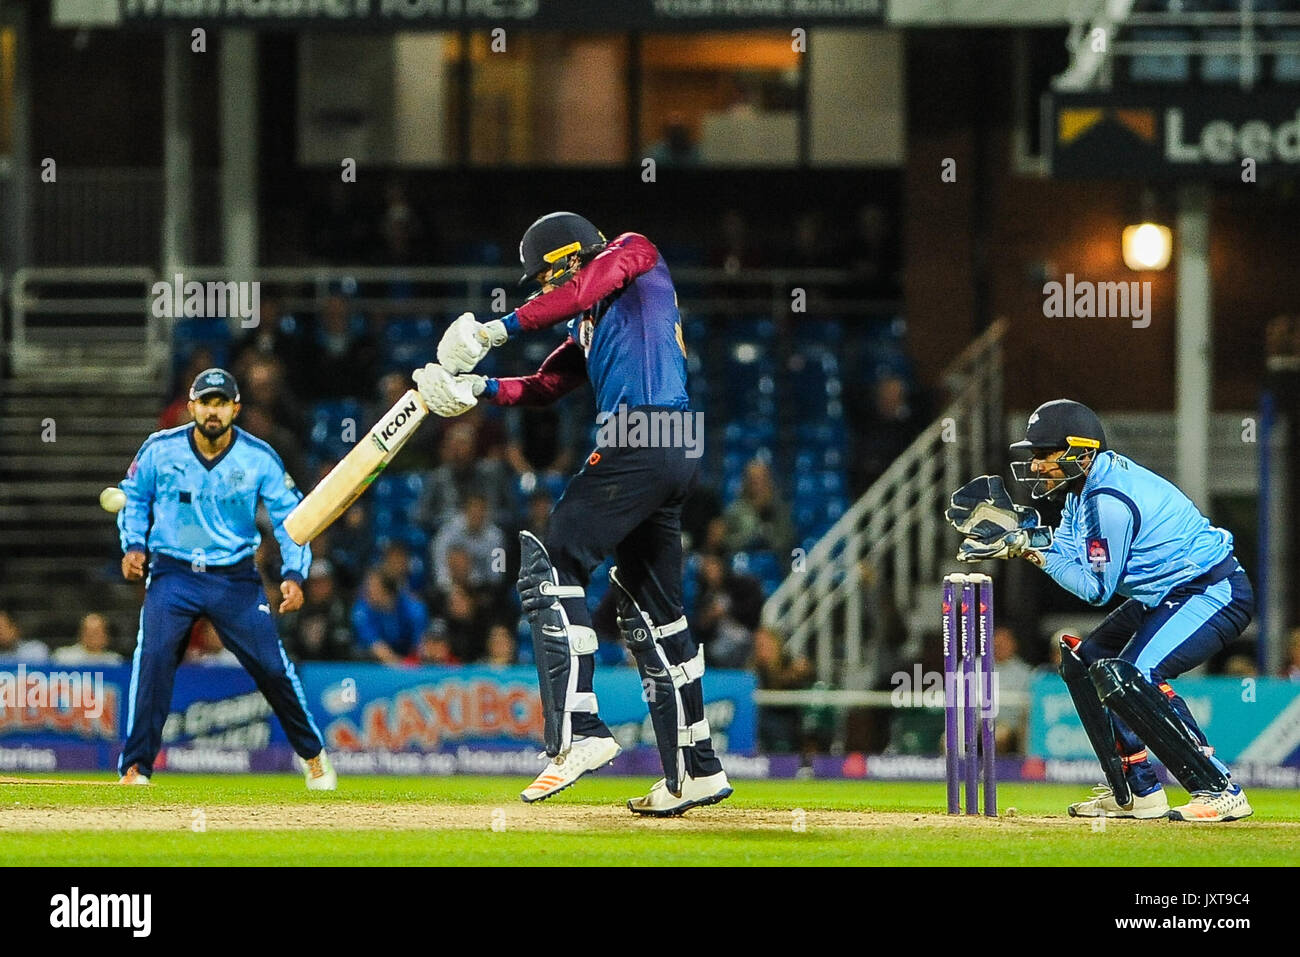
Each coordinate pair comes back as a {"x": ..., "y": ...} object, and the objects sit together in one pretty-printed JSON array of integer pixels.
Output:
[
  {"x": 1096, "y": 722},
  {"x": 670, "y": 686},
  {"x": 1124, "y": 689},
  {"x": 557, "y": 643}
]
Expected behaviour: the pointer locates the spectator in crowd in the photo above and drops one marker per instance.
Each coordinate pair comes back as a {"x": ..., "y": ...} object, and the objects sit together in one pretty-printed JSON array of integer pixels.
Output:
[
  {"x": 13, "y": 647},
  {"x": 779, "y": 728},
  {"x": 460, "y": 474},
  {"x": 885, "y": 423},
  {"x": 500, "y": 646},
  {"x": 341, "y": 356},
  {"x": 677, "y": 146},
  {"x": 538, "y": 514},
  {"x": 539, "y": 439},
  {"x": 320, "y": 630},
  {"x": 1240, "y": 666},
  {"x": 1014, "y": 677},
  {"x": 758, "y": 520},
  {"x": 259, "y": 422},
  {"x": 346, "y": 543},
  {"x": 1291, "y": 667},
  {"x": 461, "y": 610},
  {"x": 400, "y": 229},
  {"x": 470, "y": 531},
  {"x": 388, "y": 622},
  {"x": 271, "y": 340},
  {"x": 734, "y": 249},
  {"x": 436, "y": 650},
  {"x": 262, "y": 386},
  {"x": 420, "y": 453},
  {"x": 872, "y": 255},
  {"x": 177, "y": 411},
  {"x": 94, "y": 638},
  {"x": 1053, "y": 663},
  {"x": 205, "y": 647},
  {"x": 700, "y": 508},
  {"x": 338, "y": 229},
  {"x": 395, "y": 564},
  {"x": 727, "y": 609}
]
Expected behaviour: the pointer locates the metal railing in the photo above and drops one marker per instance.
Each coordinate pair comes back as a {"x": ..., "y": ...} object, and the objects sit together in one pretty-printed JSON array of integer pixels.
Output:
[
  {"x": 894, "y": 531},
  {"x": 1229, "y": 33}
]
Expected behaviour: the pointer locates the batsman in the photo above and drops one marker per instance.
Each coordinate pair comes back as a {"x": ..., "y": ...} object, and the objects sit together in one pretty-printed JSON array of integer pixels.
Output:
[
  {"x": 620, "y": 306},
  {"x": 1124, "y": 530}
]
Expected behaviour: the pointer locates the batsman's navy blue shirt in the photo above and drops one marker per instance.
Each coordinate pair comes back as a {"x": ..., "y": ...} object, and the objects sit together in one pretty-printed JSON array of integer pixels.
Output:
[
  {"x": 622, "y": 317},
  {"x": 190, "y": 508}
]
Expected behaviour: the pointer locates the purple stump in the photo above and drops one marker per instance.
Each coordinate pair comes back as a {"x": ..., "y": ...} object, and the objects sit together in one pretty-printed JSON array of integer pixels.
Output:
[
  {"x": 950, "y": 753},
  {"x": 988, "y": 699},
  {"x": 969, "y": 612}
]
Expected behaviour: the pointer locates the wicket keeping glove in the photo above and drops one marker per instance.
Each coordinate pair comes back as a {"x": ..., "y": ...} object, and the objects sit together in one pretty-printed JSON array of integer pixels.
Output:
[
  {"x": 467, "y": 341},
  {"x": 445, "y": 394},
  {"x": 983, "y": 510},
  {"x": 1026, "y": 543}
]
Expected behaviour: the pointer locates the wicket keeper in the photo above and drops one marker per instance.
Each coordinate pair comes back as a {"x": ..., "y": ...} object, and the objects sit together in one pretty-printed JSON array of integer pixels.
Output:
[
  {"x": 625, "y": 335},
  {"x": 191, "y": 503},
  {"x": 1125, "y": 530}
]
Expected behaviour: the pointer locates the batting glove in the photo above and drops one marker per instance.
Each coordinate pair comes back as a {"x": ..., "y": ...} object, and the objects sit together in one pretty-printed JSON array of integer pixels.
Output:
[
  {"x": 467, "y": 341},
  {"x": 447, "y": 395}
]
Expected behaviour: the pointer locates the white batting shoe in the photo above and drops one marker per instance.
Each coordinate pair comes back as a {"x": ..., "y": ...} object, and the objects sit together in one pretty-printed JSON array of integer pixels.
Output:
[
  {"x": 1214, "y": 807},
  {"x": 319, "y": 772},
  {"x": 696, "y": 792},
  {"x": 585, "y": 754},
  {"x": 1103, "y": 804},
  {"x": 133, "y": 776}
]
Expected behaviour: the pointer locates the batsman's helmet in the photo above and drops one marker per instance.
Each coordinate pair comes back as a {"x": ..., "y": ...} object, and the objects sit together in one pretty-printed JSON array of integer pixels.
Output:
[
  {"x": 552, "y": 239},
  {"x": 1060, "y": 424}
]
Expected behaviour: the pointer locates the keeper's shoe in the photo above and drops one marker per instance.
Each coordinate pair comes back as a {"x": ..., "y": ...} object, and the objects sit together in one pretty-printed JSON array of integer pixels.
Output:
[
  {"x": 585, "y": 754},
  {"x": 319, "y": 772},
  {"x": 1213, "y": 807},
  {"x": 1103, "y": 804},
  {"x": 696, "y": 792},
  {"x": 133, "y": 776}
]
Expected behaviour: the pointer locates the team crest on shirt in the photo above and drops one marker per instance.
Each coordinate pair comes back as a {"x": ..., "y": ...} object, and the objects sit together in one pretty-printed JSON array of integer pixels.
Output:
[
  {"x": 1098, "y": 554},
  {"x": 586, "y": 329}
]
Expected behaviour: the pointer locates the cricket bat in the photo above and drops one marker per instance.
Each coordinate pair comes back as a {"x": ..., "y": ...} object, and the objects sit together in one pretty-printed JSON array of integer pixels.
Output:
[{"x": 347, "y": 480}]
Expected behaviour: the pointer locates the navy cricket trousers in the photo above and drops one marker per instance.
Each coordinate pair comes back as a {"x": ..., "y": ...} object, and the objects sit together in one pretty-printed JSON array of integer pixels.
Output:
[
  {"x": 233, "y": 600},
  {"x": 1190, "y": 625}
]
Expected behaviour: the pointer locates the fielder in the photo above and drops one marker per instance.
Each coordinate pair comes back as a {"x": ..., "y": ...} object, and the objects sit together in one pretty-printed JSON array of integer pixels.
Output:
[
  {"x": 1125, "y": 530},
  {"x": 625, "y": 334},
  {"x": 191, "y": 502}
]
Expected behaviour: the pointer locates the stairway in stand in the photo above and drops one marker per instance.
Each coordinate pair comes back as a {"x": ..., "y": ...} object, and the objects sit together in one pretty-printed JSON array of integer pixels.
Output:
[{"x": 66, "y": 433}]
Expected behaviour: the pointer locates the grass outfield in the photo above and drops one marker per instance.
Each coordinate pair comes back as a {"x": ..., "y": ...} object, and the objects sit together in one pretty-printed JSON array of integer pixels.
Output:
[{"x": 273, "y": 820}]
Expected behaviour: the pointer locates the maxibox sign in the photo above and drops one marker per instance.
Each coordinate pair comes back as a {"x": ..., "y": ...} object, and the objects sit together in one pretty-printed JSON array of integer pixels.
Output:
[
  {"x": 369, "y": 708},
  {"x": 1249, "y": 720}
]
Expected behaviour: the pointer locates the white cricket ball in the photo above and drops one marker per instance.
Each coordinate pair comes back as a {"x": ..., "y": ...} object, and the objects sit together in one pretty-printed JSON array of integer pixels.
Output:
[{"x": 112, "y": 499}]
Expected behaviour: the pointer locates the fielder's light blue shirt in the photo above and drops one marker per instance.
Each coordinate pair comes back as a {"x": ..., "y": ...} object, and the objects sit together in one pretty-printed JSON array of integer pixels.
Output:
[
  {"x": 180, "y": 504},
  {"x": 1130, "y": 532}
]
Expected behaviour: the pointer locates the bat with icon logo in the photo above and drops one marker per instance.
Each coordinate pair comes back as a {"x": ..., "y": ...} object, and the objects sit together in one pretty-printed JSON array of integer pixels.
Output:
[{"x": 354, "y": 473}]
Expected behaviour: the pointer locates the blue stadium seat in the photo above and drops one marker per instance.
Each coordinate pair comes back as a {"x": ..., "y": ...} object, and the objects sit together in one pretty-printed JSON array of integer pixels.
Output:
[
  {"x": 327, "y": 420},
  {"x": 1161, "y": 67},
  {"x": 1286, "y": 66},
  {"x": 408, "y": 343}
]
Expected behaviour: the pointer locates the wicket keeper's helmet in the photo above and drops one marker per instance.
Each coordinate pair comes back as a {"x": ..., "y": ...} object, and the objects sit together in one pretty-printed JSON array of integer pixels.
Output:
[
  {"x": 552, "y": 239},
  {"x": 1059, "y": 424}
]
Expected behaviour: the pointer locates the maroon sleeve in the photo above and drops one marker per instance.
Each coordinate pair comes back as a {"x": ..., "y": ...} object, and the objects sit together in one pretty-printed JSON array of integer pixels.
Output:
[
  {"x": 563, "y": 371},
  {"x": 625, "y": 258}
]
